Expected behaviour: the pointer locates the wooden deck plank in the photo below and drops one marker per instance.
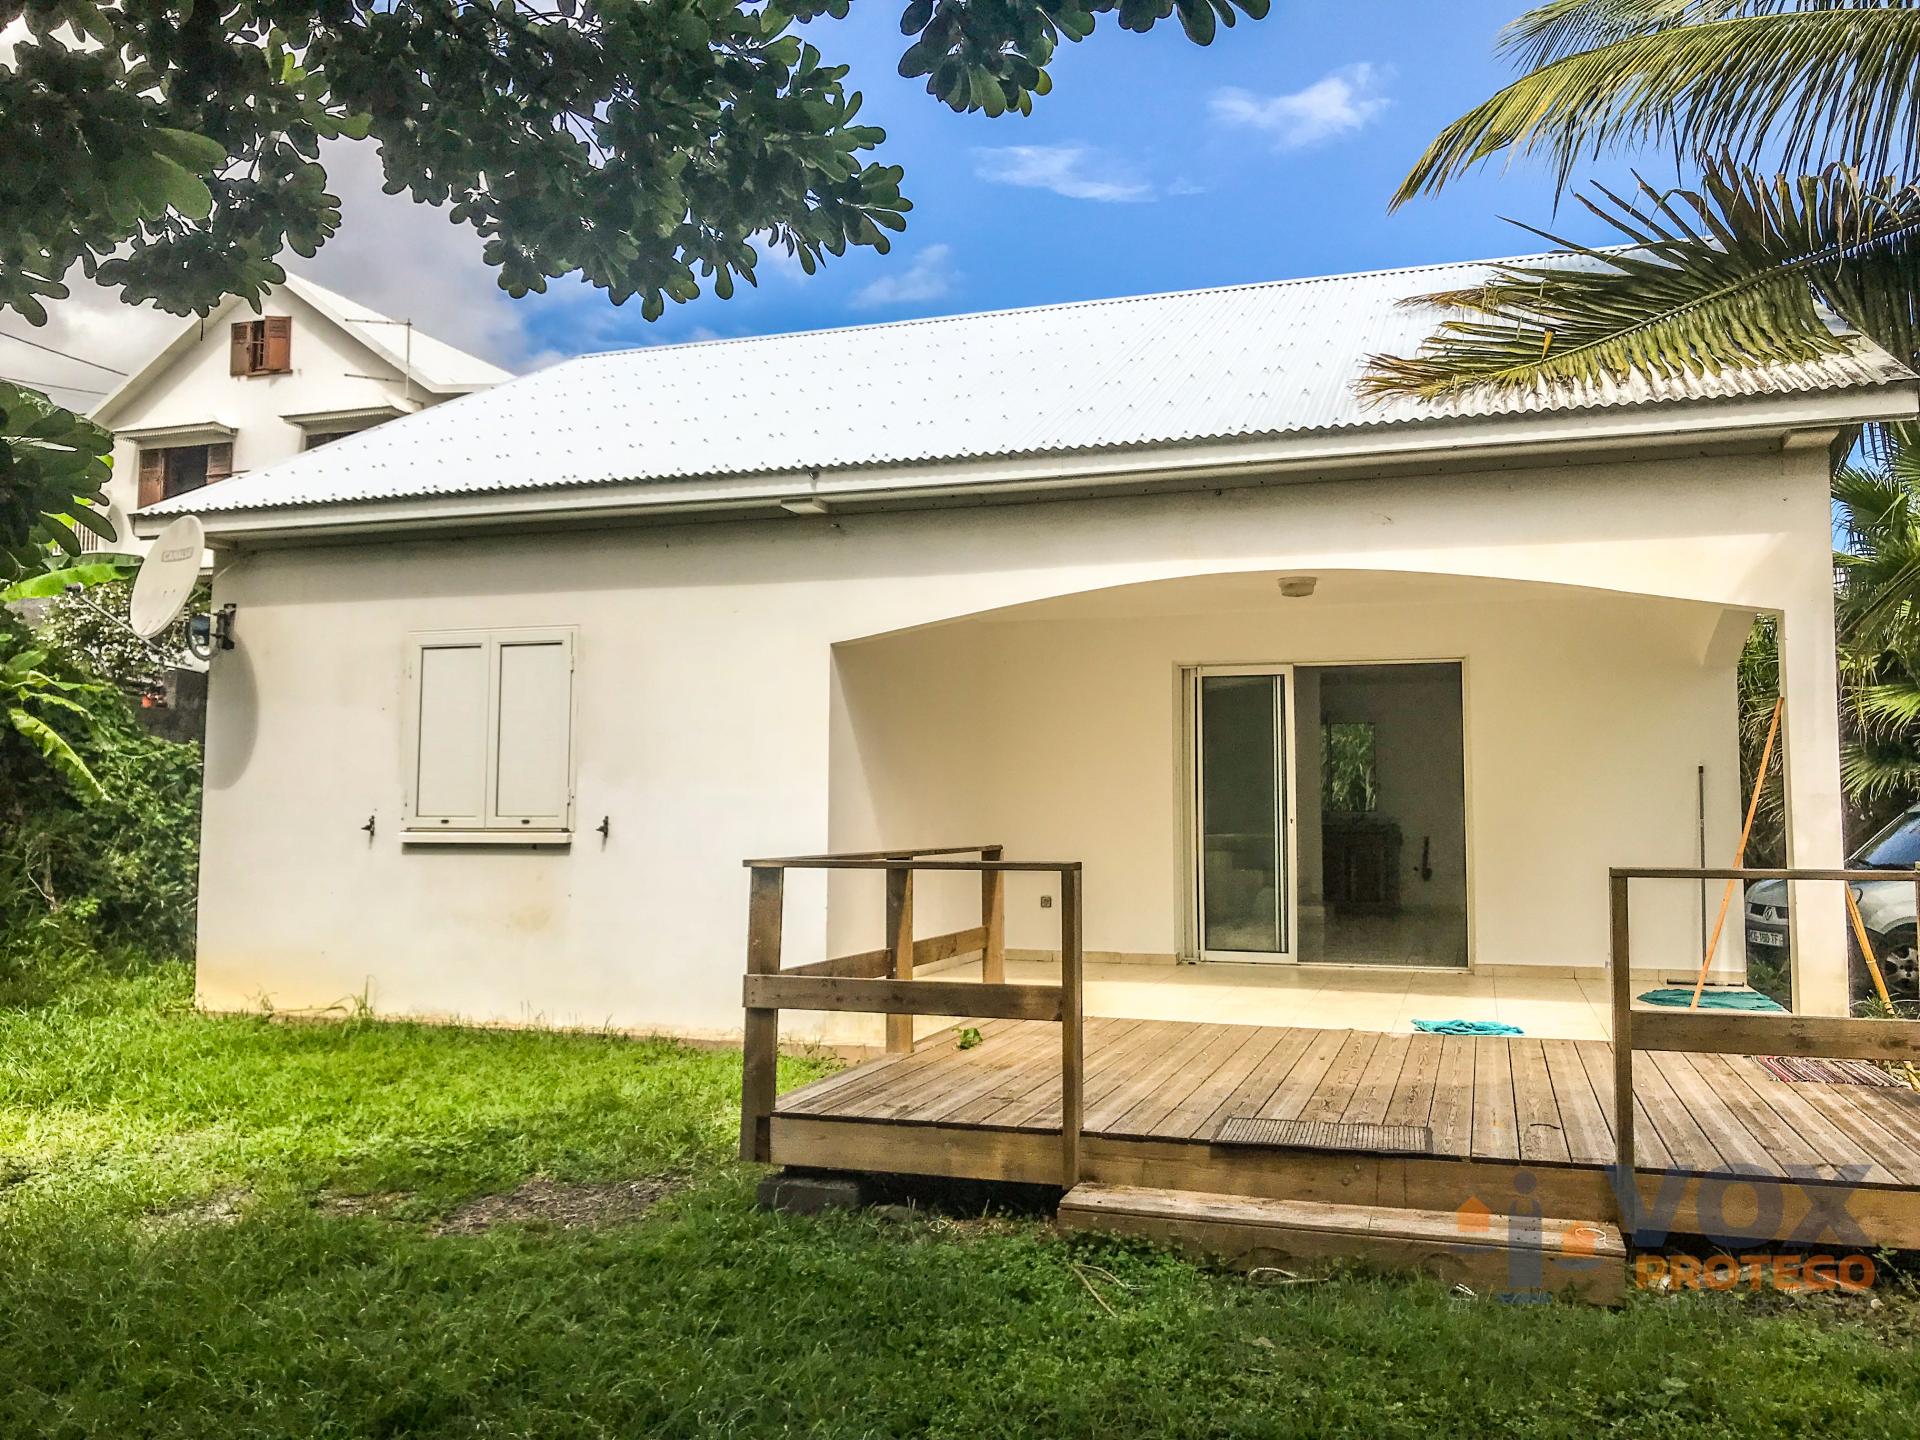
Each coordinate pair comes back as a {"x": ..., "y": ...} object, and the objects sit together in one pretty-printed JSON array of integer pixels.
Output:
[
  {"x": 1037, "y": 1081},
  {"x": 1583, "y": 1121},
  {"x": 1334, "y": 1093},
  {"x": 1412, "y": 1100},
  {"x": 1150, "y": 1114},
  {"x": 1106, "y": 1066},
  {"x": 1496, "y": 1126},
  {"x": 1885, "y": 1123},
  {"x": 1023, "y": 1053},
  {"x": 1539, "y": 1131},
  {"x": 1292, "y": 1093},
  {"x": 945, "y": 1065},
  {"x": 1800, "y": 1138},
  {"x": 1377, "y": 1082},
  {"x": 841, "y": 1087},
  {"x": 1186, "y": 1048},
  {"x": 1670, "y": 1115},
  {"x": 1596, "y": 1058},
  {"x": 1451, "y": 1114},
  {"x": 1735, "y": 1121},
  {"x": 1040, "y": 1074},
  {"x": 1251, "y": 1091}
]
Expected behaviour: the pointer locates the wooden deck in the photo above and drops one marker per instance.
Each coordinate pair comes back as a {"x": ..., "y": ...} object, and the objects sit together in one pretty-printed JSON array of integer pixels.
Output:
[{"x": 1512, "y": 1121}]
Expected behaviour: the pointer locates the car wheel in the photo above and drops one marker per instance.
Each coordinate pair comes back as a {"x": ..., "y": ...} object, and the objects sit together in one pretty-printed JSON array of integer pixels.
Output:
[{"x": 1899, "y": 964}]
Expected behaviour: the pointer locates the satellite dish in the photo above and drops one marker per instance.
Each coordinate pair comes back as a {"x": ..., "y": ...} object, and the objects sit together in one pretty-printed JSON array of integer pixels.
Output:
[{"x": 167, "y": 577}]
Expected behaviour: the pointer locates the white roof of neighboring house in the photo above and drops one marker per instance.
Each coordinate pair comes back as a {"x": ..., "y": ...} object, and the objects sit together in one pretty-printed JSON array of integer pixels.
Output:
[
  {"x": 433, "y": 364},
  {"x": 1277, "y": 359}
]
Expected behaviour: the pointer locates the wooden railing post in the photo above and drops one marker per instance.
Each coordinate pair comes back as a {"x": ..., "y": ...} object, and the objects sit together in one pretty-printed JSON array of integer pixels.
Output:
[
  {"x": 1627, "y": 1188},
  {"x": 1072, "y": 1052},
  {"x": 993, "y": 919},
  {"x": 900, "y": 949},
  {"x": 762, "y": 1039}
]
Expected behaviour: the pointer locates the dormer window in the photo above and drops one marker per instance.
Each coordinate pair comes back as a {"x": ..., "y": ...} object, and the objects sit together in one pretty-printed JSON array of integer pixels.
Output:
[{"x": 262, "y": 347}]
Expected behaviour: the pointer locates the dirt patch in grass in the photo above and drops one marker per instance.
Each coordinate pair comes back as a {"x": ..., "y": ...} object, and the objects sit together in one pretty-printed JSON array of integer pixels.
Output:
[
  {"x": 550, "y": 1202},
  {"x": 379, "y": 1205},
  {"x": 223, "y": 1207}
]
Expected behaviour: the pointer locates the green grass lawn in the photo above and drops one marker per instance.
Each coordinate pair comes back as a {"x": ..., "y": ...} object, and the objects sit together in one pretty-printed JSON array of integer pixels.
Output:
[{"x": 182, "y": 1253}]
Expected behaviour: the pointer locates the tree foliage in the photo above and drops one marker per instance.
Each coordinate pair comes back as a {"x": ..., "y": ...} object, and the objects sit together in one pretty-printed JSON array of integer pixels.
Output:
[
  {"x": 90, "y": 627},
  {"x": 53, "y": 465},
  {"x": 173, "y": 149},
  {"x": 1735, "y": 270},
  {"x": 89, "y": 877}
]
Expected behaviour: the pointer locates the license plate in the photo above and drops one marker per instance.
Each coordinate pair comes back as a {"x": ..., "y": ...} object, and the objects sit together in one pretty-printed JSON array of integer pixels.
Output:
[{"x": 1766, "y": 937}]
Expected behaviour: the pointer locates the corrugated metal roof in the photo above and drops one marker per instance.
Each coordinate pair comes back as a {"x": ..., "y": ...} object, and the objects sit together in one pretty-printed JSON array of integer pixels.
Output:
[{"x": 1238, "y": 363}]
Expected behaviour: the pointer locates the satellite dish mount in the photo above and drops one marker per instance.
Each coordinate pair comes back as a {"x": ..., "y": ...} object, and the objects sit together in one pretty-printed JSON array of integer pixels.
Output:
[{"x": 165, "y": 584}]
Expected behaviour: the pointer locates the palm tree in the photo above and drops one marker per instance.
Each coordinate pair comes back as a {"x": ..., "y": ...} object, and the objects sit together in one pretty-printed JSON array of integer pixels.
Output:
[
  {"x": 1734, "y": 271},
  {"x": 1877, "y": 508}
]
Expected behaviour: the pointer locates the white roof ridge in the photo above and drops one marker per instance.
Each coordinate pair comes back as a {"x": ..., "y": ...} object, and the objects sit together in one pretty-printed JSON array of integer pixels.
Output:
[{"x": 1094, "y": 302}]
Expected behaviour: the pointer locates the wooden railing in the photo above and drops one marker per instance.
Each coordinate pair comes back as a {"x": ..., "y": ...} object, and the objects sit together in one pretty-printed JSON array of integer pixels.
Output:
[
  {"x": 882, "y": 981},
  {"x": 1725, "y": 1032}
]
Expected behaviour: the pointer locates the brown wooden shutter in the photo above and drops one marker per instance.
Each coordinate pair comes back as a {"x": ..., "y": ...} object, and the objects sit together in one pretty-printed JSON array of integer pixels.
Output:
[
  {"x": 153, "y": 477},
  {"x": 279, "y": 346},
  {"x": 240, "y": 349},
  {"x": 219, "y": 461}
]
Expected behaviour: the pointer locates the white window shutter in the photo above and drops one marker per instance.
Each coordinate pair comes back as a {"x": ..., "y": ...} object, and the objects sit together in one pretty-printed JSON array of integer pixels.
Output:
[
  {"x": 450, "y": 733},
  {"x": 533, "y": 731}
]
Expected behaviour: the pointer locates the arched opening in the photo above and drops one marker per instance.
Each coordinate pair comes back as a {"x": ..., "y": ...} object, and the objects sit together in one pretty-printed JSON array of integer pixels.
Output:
[{"x": 1393, "y": 797}]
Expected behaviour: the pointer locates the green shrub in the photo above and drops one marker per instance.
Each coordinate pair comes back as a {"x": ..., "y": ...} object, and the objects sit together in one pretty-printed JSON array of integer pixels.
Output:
[{"x": 91, "y": 882}]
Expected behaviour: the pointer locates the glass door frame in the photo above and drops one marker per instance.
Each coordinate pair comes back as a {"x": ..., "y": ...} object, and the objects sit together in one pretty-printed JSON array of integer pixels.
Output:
[{"x": 1289, "y": 829}]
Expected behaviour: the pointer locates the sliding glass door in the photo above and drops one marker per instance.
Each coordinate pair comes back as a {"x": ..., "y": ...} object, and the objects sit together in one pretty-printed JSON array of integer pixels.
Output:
[{"x": 1243, "y": 813}]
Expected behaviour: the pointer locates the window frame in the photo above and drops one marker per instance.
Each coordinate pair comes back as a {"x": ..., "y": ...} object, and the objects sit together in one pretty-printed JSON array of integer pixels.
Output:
[
  {"x": 488, "y": 827},
  {"x": 257, "y": 339}
]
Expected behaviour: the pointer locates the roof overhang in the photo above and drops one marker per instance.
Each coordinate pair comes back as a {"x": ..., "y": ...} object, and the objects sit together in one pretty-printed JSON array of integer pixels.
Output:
[
  {"x": 1440, "y": 446},
  {"x": 362, "y": 417},
  {"x": 188, "y": 432}
]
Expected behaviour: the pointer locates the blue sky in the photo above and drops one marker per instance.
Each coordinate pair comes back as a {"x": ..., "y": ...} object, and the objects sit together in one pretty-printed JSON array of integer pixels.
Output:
[{"x": 1155, "y": 164}]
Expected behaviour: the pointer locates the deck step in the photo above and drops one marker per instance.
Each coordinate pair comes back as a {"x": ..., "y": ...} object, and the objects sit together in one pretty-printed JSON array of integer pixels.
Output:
[{"x": 1490, "y": 1254}]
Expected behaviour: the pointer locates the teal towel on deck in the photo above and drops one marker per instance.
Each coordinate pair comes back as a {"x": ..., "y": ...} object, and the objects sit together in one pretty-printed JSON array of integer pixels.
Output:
[
  {"x": 1682, "y": 997},
  {"x": 1466, "y": 1027}
]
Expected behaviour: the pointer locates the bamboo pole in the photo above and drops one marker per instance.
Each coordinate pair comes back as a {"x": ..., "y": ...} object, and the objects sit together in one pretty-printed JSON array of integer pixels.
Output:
[
  {"x": 1740, "y": 854},
  {"x": 1873, "y": 969}
]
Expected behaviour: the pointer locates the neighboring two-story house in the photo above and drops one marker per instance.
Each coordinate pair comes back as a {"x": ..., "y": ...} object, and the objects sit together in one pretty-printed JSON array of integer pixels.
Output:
[{"x": 241, "y": 390}]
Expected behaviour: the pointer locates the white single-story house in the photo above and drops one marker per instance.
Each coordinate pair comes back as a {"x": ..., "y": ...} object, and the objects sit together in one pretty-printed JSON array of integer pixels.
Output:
[{"x": 520, "y": 680}]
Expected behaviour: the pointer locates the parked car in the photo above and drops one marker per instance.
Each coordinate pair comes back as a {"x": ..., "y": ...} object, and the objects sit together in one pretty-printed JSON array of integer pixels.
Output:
[{"x": 1887, "y": 907}]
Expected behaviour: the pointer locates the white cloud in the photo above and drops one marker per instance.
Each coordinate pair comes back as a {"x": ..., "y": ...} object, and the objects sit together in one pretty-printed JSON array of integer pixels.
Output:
[
  {"x": 399, "y": 257},
  {"x": 1338, "y": 103},
  {"x": 930, "y": 276},
  {"x": 409, "y": 261},
  {"x": 1075, "y": 171}
]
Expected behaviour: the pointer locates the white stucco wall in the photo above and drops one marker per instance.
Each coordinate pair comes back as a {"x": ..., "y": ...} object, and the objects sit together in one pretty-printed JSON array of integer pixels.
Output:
[{"x": 707, "y": 715}]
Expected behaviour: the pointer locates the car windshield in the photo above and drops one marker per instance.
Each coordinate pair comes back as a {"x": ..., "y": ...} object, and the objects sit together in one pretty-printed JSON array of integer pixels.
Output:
[{"x": 1895, "y": 848}]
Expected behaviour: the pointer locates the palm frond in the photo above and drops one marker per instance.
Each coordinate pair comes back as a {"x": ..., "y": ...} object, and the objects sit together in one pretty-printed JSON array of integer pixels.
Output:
[
  {"x": 1797, "y": 83},
  {"x": 1871, "y": 772},
  {"x": 1888, "y": 708},
  {"x": 1561, "y": 28},
  {"x": 1724, "y": 277}
]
